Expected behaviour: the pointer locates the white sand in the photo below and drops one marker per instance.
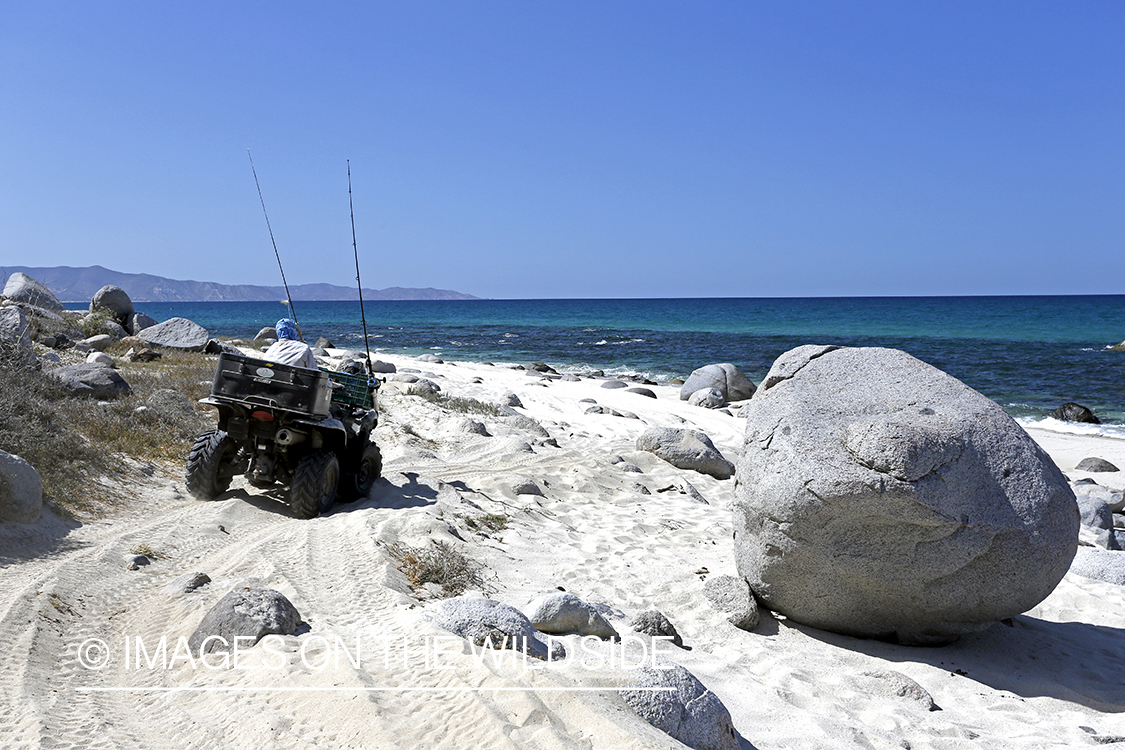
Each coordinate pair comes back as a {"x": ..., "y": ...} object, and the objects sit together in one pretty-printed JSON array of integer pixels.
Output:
[{"x": 1053, "y": 679}]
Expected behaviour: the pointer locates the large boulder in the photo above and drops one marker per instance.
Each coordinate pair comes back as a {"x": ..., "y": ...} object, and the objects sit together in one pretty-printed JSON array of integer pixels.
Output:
[
  {"x": 246, "y": 614},
  {"x": 176, "y": 333},
  {"x": 1072, "y": 412},
  {"x": 24, "y": 289},
  {"x": 686, "y": 449},
  {"x": 91, "y": 381},
  {"x": 671, "y": 699},
  {"x": 879, "y": 497},
  {"x": 21, "y": 490},
  {"x": 728, "y": 379},
  {"x": 708, "y": 398},
  {"x": 15, "y": 338},
  {"x": 113, "y": 300}
]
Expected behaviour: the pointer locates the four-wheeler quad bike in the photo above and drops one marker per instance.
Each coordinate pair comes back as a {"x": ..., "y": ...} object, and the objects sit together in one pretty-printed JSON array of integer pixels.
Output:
[{"x": 308, "y": 429}]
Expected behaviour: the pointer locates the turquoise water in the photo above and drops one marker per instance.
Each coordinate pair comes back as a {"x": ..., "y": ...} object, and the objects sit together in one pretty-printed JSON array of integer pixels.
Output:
[{"x": 1030, "y": 354}]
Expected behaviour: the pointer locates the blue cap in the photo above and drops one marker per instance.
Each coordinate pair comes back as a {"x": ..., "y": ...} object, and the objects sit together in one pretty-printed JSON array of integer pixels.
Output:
[{"x": 287, "y": 329}]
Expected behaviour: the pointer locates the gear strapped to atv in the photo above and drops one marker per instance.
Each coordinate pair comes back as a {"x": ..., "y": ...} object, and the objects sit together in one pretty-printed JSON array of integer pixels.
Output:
[{"x": 280, "y": 424}]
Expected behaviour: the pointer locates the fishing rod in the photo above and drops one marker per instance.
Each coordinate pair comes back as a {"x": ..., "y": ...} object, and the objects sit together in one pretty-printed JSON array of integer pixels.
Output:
[
  {"x": 362, "y": 314},
  {"x": 292, "y": 312}
]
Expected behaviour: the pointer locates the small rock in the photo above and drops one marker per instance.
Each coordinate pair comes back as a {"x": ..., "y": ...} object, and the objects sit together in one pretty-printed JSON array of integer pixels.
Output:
[
  {"x": 897, "y": 685},
  {"x": 433, "y": 359},
  {"x": 144, "y": 355},
  {"x": 1094, "y": 512},
  {"x": 654, "y": 623},
  {"x": 1095, "y": 465},
  {"x": 98, "y": 343},
  {"x": 615, "y": 384},
  {"x": 526, "y": 486},
  {"x": 471, "y": 426},
  {"x": 100, "y": 358},
  {"x": 21, "y": 490},
  {"x": 1072, "y": 412},
  {"x": 559, "y": 613},
  {"x": 382, "y": 367},
  {"x": 248, "y": 614},
  {"x": 686, "y": 449},
  {"x": 689, "y": 712},
  {"x": 646, "y": 392},
  {"x": 708, "y": 398},
  {"x": 138, "y": 322},
  {"x": 491, "y": 624},
  {"x": 732, "y": 597},
  {"x": 188, "y": 583},
  {"x": 1111, "y": 539},
  {"x": 511, "y": 399},
  {"x": 133, "y": 562}
]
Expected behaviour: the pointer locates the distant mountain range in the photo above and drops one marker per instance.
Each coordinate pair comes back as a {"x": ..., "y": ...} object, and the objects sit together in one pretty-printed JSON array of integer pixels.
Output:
[{"x": 79, "y": 285}]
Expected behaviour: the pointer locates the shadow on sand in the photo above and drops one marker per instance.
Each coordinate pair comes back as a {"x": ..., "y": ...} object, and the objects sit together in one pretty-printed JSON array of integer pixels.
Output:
[
  {"x": 50, "y": 535},
  {"x": 1070, "y": 661}
]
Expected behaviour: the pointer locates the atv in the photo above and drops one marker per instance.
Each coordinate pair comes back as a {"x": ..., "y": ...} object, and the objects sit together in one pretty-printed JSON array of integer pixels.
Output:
[{"x": 279, "y": 424}]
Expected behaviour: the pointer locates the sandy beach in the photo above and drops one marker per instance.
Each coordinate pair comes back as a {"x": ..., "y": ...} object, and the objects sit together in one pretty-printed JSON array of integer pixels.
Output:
[{"x": 613, "y": 525}]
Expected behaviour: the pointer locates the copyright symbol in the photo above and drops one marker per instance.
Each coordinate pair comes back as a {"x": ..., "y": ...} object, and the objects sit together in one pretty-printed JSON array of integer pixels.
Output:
[{"x": 93, "y": 653}]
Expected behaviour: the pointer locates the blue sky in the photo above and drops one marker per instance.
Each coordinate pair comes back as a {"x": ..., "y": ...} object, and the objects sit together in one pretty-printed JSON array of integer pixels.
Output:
[{"x": 573, "y": 149}]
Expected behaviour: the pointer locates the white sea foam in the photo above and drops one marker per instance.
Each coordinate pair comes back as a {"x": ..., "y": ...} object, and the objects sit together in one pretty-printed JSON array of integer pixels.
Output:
[{"x": 1074, "y": 428}]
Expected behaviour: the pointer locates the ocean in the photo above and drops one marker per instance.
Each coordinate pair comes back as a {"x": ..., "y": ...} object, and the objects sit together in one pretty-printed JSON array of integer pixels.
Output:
[{"x": 1029, "y": 354}]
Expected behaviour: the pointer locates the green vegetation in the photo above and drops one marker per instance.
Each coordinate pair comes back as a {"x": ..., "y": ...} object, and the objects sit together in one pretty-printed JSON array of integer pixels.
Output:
[{"x": 94, "y": 323}]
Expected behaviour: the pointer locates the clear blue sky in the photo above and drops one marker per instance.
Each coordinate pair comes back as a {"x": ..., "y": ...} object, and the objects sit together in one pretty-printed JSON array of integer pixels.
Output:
[{"x": 573, "y": 149}]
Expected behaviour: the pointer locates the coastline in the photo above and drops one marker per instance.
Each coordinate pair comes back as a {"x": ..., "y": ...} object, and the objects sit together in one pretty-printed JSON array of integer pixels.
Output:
[{"x": 1050, "y": 680}]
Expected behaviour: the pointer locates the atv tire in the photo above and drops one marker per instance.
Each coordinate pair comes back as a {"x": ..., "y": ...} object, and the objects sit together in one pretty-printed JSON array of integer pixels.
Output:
[
  {"x": 209, "y": 465},
  {"x": 357, "y": 484},
  {"x": 315, "y": 482}
]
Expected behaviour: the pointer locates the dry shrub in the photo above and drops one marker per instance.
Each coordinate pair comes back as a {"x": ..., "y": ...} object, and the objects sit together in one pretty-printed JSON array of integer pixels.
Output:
[
  {"x": 34, "y": 424},
  {"x": 489, "y": 521},
  {"x": 72, "y": 442},
  {"x": 464, "y": 405},
  {"x": 438, "y": 563},
  {"x": 151, "y": 434}
]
